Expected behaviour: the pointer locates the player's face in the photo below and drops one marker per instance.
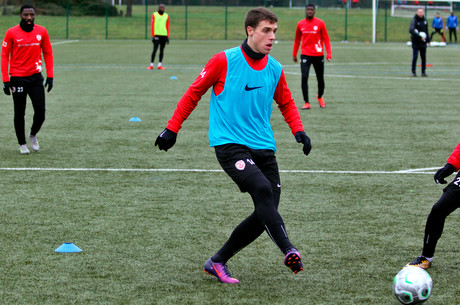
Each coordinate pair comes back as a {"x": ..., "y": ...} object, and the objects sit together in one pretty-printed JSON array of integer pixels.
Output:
[
  {"x": 420, "y": 13},
  {"x": 161, "y": 8},
  {"x": 310, "y": 12},
  {"x": 28, "y": 15},
  {"x": 262, "y": 37}
]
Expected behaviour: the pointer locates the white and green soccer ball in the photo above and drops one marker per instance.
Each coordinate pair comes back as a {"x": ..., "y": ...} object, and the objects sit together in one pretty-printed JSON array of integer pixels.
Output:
[
  {"x": 422, "y": 34},
  {"x": 412, "y": 285}
]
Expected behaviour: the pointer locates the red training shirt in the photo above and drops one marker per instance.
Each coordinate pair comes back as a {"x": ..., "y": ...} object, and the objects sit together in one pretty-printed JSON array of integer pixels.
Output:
[
  {"x": 313, "y": 34},
  {"x": 214, "y": 75},
  {"x": 23, "y": 51},
  {"x": 454, "y": 158}
]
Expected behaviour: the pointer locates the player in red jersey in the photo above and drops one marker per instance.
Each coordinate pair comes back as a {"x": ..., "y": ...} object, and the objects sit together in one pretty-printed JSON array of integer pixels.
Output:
[
  {"x": 22, "y": 50},
  {"x": 449, "y": 202},
  {"x": 313, "y": 34}
]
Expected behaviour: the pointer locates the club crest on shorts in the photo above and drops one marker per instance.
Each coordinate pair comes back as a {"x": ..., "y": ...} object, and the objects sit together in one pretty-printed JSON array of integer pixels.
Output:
[{"x": 240, "y": 165}]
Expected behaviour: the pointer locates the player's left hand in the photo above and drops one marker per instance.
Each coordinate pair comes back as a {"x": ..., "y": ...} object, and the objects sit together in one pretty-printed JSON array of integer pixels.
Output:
[
  {"x": 444, "y": 172},
  {"x": 329, "y": 58},
  {"x": 301, "y": 137},
  {"x": 167, "y": 40},
  {"x": 166, "y": 139},
  {"x": 49, "y": 83},
  {"x": 6, "y": 88}
]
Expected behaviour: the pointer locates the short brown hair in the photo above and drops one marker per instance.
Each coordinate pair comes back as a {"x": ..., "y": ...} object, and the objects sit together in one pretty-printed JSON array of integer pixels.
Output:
[{"x": 258, "y": 14}]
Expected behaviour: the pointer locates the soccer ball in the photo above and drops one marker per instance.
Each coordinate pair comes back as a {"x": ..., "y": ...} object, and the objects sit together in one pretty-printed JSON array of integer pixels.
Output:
[
  {"x": 412, "y": 285},
  {"x": 423, "y": 35}
]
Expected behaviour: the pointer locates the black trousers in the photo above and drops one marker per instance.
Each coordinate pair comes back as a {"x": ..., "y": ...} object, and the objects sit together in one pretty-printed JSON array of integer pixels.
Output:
[
  {"x": 255, "y": 172},
  {"x": 422, "y": 56},
  {"x": 158, "y": 41},
  {"x": 33, "y": 87},
  {"x": 318, "y": 64},
  {"x": 439, "y": 31},
  {"x": 449, "y": 202},
  {"x": 452, "y": 31}
]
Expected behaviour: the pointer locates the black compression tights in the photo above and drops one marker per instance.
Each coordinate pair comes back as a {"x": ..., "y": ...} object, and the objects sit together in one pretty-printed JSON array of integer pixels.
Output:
[
  {"x": 265, "y": 217},
  {"x": 448, "y": 203}
]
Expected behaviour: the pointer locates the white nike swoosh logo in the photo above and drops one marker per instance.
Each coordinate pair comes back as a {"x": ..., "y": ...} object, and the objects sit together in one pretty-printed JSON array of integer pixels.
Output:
[{"x": 18, "y": 40}]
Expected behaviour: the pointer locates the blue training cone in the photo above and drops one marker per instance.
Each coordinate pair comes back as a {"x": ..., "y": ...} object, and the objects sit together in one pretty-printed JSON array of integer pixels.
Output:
[
  {"x": 135, "y": 119},
  {"x": 173, "y": 77},
  {"x": 68, "y": 248}
]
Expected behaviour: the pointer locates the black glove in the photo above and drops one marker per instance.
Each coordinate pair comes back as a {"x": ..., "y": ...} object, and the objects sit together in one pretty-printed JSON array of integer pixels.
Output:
[
  {"x": 167, "y": 40},
  {"x": 444, "y": 172},
  {"x": 6, "y": 88},
  {"x": 301, "y": 137},
  {"x": 49, "y": 83},
  {"x": 166, "y": 139}
]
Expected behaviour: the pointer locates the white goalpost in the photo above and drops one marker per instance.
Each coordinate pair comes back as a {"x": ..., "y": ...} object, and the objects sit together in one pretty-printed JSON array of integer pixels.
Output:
[{"x": 403, "y": 8}]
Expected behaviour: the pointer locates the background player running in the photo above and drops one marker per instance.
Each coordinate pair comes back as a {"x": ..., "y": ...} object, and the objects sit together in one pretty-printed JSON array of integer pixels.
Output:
[
  {"x": 22, "y": 51},
  {"x": 245, "y": 81},
  {"x": 449, "y": 202},
  {"x": 313, "y": 34}
]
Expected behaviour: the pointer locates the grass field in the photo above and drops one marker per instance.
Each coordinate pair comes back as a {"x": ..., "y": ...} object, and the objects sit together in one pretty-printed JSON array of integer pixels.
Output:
[
  {"x": 209, "y": 23},
  {"x": 355, "y": 207}
]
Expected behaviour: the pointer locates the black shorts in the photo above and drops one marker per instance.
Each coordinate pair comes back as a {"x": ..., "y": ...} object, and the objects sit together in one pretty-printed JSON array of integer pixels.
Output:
[
  {"x": 161, "y": 39},
  {"x": 307, "y": 61},
  {"x": 454, "y": 186},
  {"x": 240, "y": 162}
]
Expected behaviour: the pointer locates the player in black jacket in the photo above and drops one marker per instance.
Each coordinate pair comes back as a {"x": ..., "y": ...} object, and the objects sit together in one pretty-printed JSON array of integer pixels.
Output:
[{"x": 418, "y": 31}]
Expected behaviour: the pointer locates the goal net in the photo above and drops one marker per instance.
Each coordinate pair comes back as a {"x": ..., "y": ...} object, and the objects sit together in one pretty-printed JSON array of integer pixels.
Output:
[{"x": 401, "y": 8}]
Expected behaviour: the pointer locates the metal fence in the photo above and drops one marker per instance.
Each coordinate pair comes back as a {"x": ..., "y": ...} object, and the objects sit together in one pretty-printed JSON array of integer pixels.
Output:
[{"x": 220, "y": 22}]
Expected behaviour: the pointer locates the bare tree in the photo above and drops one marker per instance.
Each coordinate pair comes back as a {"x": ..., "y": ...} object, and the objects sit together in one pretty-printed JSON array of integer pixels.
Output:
[
  {"x": 129, "y": 8},
  {"x": 5, "y": 10}
]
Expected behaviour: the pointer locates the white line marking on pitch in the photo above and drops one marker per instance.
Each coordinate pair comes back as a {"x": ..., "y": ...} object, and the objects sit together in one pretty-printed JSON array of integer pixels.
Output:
[
  {"x": 371, "y": 76},
  {"x": 63, "y": 42},
  {"x": 405, "y": 171}
]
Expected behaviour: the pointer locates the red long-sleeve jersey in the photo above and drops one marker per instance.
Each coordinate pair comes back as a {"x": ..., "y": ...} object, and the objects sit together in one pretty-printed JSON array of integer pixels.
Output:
[
  {"x": 454, "y": 158},
  {"x": 313, "y": 35},
  {"x": 214, "y": 75},
  {"x": 23, "y": 52}
]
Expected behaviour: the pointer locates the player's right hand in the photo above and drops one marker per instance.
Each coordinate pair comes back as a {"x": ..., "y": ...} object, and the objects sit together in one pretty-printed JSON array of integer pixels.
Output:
[
  {"x": 6, "y": 88},
  {"x": 166, "y": 139},
  {"x": 301, "y": 137},
  {"x": 294, "y": 58},
  {"x": 49, "y": 82},
  {"x": 444, "y": 172}
]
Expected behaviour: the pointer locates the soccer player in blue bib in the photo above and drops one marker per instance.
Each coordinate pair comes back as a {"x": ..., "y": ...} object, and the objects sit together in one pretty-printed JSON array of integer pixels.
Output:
[{"x": 245, "y": 81}]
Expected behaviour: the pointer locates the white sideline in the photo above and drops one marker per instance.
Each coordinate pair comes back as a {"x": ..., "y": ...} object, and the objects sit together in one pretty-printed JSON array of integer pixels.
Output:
[
  {"x": 377, "y": 77},
  {"x": 429, "y": 170},
  {"x": 63, "y": 42}
]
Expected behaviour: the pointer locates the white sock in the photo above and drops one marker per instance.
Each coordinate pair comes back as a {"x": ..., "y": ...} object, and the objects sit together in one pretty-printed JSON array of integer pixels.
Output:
[
  {"x": 151, "y": 64},
  {"x": 159, "y": 64}
]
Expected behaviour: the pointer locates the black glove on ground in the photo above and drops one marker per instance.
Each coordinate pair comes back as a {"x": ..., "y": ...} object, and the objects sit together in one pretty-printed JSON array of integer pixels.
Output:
[
  {"x": 49, "y": 83},
  {"x": 6, "y": 88},
  {"x": 166, "y": 139},
  {"x": 444, "y": 172},
  {"x": 301, "y": 137}
]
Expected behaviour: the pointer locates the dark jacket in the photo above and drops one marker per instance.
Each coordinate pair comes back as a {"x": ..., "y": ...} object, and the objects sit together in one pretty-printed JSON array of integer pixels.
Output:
[{"x": 416, "y": 26}]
